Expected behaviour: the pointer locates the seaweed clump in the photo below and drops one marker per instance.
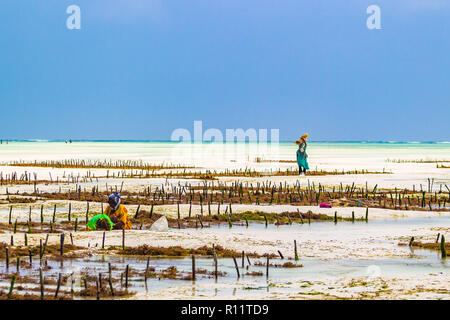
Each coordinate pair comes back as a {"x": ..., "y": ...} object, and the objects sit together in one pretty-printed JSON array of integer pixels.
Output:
[{"x": 178, "y": 251}]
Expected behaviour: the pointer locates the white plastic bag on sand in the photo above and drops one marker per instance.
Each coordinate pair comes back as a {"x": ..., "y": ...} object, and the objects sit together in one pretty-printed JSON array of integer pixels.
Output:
[{"x": 160, "y": 225}]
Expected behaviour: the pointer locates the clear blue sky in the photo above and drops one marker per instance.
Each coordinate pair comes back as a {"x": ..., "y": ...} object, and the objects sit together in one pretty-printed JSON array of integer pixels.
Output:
[{"x": 140, "y": 69}]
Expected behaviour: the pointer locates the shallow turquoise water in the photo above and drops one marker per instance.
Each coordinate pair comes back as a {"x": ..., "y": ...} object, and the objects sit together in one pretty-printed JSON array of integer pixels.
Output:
[{"x": 162, "y": 150}]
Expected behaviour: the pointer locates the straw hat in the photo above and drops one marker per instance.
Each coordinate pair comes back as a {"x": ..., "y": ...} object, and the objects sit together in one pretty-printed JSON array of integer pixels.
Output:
[{"x": 301, "y": 138}]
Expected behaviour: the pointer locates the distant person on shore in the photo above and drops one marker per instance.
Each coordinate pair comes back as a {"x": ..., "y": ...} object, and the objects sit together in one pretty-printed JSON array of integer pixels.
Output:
[
  {"x": 117, "y": 212},
  {"x": 301, "y": 154}
]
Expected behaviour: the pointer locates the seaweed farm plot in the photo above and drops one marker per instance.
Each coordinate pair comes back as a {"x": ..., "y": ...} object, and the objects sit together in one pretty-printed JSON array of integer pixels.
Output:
[
  {"x": 98, "y": 164},
  {"x": 236, "y": 229},
  {"x": 214, "y": 272},
  {"x": 208, "y": 194},
  {"x": 161, "y": 171},
  {"x": 69, "y": 273},
  {"x": 273, "y": 267}
]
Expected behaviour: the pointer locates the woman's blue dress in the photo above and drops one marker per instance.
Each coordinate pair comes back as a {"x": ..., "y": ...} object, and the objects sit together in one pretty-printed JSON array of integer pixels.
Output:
[{"x": 302, "y": 156}]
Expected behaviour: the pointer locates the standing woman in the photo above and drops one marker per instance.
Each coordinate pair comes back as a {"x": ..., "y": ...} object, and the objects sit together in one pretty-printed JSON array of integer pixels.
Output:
[{"x": 301, "y": 154}]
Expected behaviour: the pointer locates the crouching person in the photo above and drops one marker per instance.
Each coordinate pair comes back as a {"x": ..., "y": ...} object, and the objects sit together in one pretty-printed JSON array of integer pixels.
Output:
[{"x": 117, "y": 212}]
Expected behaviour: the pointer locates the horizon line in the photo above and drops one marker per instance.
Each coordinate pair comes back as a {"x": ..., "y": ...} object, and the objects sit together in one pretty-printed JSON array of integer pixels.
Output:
[{"x": 211, "y": 142}]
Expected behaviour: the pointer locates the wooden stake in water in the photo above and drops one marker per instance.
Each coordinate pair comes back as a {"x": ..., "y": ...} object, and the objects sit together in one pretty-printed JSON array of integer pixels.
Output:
[
  {"x": 443, "y": 250},
  {"x": 236, "y": 266},
  {"x": 300, "y": 215},
  {"x": 137, "y": 212},
  {"x": 110, "y": 285},
  {"x": 193, "y": 267},
  {"x": 41, "y": 283},
  {"x": 103, "y": 240},
  {"x": 13, "y": 280},
  {"x": 7, "y": 257},
  {"x": 62, "y": 243},
  {"x": 267, "y": 267},
  {"x": 45, "y": 246},
  {"x": 71, "y": 284},
  {"x": 295, "y": 250},
  {"x": 58, "y": 285},
  {"x": 200, "y": 220},
  {"x": 146, "y": 270},
  {"x": 87, "y": 212},
  {"x": 367, "y": 214},
  {"x": 281, "y": 255},
  {"x": 126, "y": 276},
  {"x": 215, "y": 266}
]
